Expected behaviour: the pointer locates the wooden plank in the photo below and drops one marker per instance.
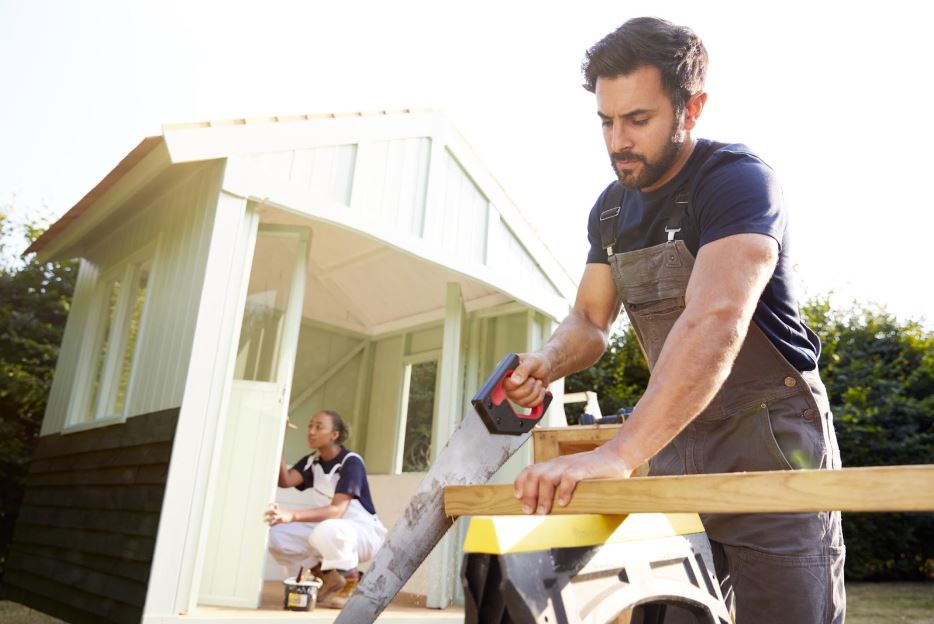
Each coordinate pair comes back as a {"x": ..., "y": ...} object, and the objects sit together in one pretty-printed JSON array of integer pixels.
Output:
[
  {"x": 555, "y": 441},
  {"x": 125, "y": 497},
  {"x": 122, "y": 475},
  {"x": 137, "y": 430},
  {"x": 544, "y": 446},
  {"x": 117, "y": 521},
  {"x": 158, "y": 453},
  {"x": 58, "y": 571},
  {"x": 133, "y": 570},
  {"x": 550, "y": 442},
  {"x": 91, "y": 542},
  {"x": 73, "y": 601},
  {"x": 882, "y": 488},
  {"x": 50, "y": 605}
]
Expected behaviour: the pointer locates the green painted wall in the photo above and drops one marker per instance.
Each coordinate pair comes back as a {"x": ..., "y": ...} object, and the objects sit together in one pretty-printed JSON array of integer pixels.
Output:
[{"x": 319, "y": 350}]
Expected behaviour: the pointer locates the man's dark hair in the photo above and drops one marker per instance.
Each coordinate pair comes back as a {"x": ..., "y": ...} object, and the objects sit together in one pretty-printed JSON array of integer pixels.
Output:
[
  {"x": 676, "y": 51},
  {"x": 339, "y": 426}
]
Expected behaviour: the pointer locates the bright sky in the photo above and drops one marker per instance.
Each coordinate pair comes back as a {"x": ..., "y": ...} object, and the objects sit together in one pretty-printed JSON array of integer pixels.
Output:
[{"x": 833, "y": 95}]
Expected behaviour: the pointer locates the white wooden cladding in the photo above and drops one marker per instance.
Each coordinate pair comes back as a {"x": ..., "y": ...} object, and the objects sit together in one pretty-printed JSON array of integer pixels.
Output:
[
  {"x": 184, "y": 215},
  {"x": 460, "y": 222},
  {"x": 389, "y": 183},
  {"x": 386, "y": 184}
]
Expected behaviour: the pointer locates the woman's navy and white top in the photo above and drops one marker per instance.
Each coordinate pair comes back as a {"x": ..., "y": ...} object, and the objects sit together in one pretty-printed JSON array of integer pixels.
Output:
[{"x": 345, "y": 474}]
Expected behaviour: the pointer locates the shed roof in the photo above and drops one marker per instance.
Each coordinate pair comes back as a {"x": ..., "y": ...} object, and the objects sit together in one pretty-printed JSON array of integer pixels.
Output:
[{"x": 253, "y": 146}]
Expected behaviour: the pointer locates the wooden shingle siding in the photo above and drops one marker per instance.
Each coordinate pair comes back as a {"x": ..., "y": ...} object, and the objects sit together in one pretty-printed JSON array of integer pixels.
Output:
[{"x": 84, "y": 539}]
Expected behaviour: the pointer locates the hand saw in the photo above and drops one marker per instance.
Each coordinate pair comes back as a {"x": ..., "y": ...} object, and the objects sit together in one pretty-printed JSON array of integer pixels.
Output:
[{"x": 477, "y": 448}]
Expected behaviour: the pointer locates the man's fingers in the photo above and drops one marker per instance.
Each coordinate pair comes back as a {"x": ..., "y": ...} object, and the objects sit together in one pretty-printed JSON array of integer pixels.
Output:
[
  {"x": 546, "y": 494},
  {"x": 566, "y": 488},
  {"x": 522, "y": 372},
  {"x": 530, "y": 491}
]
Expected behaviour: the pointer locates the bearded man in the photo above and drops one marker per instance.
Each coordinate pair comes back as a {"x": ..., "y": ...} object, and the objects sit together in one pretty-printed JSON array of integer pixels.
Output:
[{"x": 692, "y": 240}]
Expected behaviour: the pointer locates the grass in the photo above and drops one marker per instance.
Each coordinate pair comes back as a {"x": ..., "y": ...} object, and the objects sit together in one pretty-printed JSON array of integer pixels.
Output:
[
  {"x": 890, "y": 603},
  {"x": 867, "y": 603},
  {"x": 13, "y": 613}
]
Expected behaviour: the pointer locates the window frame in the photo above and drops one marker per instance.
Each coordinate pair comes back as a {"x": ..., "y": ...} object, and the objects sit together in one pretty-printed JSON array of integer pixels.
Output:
[
  {"x": 407, "y": 363},
  {"x": 83, "y": 412}
]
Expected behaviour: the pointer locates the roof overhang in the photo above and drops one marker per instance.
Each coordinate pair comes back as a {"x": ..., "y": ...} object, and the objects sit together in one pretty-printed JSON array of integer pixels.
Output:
[{"x": 144, "y": 163}]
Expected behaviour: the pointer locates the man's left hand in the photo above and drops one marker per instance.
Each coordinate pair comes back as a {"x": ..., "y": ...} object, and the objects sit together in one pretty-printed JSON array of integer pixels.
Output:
[{"x": 539, "y": 485}]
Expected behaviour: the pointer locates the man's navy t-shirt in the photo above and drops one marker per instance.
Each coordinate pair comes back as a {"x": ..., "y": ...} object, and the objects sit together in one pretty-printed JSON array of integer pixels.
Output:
[
  {"x": 352, "y": 479},
  {"x": 734, "y": 192}
]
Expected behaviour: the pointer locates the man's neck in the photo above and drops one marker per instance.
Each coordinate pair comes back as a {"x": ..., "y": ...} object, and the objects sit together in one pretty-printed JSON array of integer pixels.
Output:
[{"x": 683, "y": 155}]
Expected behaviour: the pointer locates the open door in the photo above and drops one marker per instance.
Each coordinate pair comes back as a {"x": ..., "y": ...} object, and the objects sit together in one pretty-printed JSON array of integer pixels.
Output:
[{"x": 254, "y": 427}]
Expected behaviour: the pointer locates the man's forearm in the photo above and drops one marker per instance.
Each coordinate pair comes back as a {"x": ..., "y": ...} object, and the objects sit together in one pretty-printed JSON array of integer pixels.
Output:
[{"x": 575, "y": 345}]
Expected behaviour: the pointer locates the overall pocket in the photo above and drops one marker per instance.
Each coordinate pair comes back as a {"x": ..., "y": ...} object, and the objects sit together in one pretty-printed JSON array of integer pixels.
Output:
[
  {"x": 653, "y": 321},
  {"x": 766, "y": 436}
]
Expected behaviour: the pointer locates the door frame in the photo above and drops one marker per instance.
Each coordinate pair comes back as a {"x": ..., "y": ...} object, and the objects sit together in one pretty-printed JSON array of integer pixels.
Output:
[{"x": 284, "y": 369}]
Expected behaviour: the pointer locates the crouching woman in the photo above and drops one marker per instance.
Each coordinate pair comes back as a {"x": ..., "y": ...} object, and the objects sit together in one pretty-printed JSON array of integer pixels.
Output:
[{"x": 340, "y": 529}]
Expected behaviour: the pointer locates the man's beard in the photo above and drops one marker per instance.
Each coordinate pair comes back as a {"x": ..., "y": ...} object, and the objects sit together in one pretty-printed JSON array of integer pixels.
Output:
[{"x": 651, "y": 172}]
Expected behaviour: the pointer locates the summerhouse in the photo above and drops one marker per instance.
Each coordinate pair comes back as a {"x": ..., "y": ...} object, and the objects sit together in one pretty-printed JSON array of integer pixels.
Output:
[{"x": 238, "y": 275}]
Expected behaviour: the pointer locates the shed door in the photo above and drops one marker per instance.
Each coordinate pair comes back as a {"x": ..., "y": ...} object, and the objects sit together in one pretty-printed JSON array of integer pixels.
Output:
[{"x": 255, "y": 422}]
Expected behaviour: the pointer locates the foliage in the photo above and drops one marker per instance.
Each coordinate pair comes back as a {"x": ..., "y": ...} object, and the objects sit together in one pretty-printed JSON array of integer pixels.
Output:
[
  {"x": 34, "y": 302},
  {"x": 619, "y": 378},
  {"x": 879, "y": 373},
  {"x": 419, "y": 416}
]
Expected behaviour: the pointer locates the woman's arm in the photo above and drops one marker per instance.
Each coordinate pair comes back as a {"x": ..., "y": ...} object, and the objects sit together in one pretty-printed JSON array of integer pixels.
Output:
[
  {"x": 336, "y": 509},
  {"x": 289, "y": 477}
]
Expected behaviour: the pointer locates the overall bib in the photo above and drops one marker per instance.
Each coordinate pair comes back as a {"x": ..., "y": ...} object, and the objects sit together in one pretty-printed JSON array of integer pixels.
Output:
[
  {"x": 781, "y": 568},
  {"x": 339, "y": 543}
]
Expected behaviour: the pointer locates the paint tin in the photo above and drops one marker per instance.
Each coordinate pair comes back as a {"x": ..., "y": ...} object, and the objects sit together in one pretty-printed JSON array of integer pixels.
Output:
[{"x": 300, "y": 596}]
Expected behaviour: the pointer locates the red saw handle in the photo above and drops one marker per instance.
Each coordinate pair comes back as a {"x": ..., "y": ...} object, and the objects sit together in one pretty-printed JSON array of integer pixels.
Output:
[{"x": 497, "y": 411}]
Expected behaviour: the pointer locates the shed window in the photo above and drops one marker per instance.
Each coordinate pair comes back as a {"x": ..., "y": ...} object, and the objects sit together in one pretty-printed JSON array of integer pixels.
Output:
[
  {"x": 132, "y": 334},
  {"x": 113, "y": 332},
  {"x": 106, "y": 321},
  {"x": 419, "y": 415}
]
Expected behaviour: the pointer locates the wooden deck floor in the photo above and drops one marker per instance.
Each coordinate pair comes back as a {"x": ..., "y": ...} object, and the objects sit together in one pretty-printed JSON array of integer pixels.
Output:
[{"x": 404, "y": 609}]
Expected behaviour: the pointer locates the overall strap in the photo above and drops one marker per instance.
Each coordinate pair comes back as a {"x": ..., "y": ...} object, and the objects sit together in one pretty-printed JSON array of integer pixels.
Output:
[
  {"x": 608, "y": 220},
  {"x": 682, "y": 198},
  {"x": 348, "y": 456}
]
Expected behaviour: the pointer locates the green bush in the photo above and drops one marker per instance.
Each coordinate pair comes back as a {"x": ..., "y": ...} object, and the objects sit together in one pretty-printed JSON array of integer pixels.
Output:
[
  {"x": 34, "y": 303},
  {"x": 879, "y": 373}
]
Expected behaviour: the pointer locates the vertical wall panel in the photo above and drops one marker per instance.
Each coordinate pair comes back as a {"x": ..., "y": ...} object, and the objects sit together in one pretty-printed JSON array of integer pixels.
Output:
[
  {"x": 463, "y": 214},
  {"x": 505, "y": 249},
  {"x": 390, "y": 182},
  {"x": 319, "y": 349},
  {"x": 326, "y": 170},
  {"x": 385, "y": 402},
  {"x": 183, "y": 215}
]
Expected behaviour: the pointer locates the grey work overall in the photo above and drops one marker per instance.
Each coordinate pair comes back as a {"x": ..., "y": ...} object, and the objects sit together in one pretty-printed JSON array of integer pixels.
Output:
[{"x": 773, "y": 568}]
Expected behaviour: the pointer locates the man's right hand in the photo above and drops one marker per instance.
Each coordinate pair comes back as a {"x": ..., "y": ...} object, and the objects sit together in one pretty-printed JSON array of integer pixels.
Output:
[{"x": 529, "y": 382}]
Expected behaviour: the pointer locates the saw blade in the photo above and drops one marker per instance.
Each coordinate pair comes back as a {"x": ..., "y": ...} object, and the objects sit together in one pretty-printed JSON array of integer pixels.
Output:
[{"x": 471, "y": 456}]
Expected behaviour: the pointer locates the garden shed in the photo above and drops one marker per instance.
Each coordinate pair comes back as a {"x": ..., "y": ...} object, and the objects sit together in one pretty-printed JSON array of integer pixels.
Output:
[{"x": 237, "y": 274}]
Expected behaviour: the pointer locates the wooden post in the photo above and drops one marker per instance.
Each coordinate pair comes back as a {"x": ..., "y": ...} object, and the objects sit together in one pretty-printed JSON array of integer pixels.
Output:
[{"x": 449, "y": 403}]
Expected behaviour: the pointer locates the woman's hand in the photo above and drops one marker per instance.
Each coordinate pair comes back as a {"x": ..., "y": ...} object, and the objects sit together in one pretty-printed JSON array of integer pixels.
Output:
[
  {"x": 539, "y": 485},
  {"x": 274, "y": 515}
]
